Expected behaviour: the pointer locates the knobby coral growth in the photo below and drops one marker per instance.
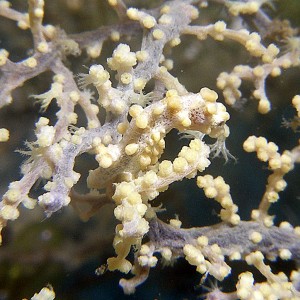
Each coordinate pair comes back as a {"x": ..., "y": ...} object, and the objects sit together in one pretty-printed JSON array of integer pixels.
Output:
[{"x": 139, "y": 101}]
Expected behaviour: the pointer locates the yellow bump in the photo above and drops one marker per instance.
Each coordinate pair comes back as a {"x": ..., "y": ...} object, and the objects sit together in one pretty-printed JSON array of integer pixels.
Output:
[
  {"x": 69, "y": 182},
  {"x": 3, "y": 56},
  {"x": 13, "y": 195},
  {"x": 211, "y": 108},
  {"x": 201, "y": 268},
  {"x": 134, "y": 198},
  {"x": 202, "y": 240},
  {"x": 162, "y": 144},
  {"x": 142, "y": 55},
  {"x": 148, "y": 22},
  {"x": 235, "y": 256},
  {"x": 175, "y": 223},
  {"x": 210, "y": 192},
  {"x": 126, "y": 78},
  {"x": 166, "y": 253},
  {"x": 255, "y": 237},
  {"x": 141, "y": 121},
  {"x": 268, "y": 221},
  {"x": 38, "y": 12},
  {"x": 158, "y": 34},
  {"x": 30, "y": 62},
  {"x": 155, "y": 136},
  {"x": 158, "y": 110},
  {"x": 9, "y": 212},
  {"x": 165, "y": 19},
  {"x": 133, "y": 14},
  {"x": 43, "y": 47},
  {"x": 106, "y": 139},
  {"x": 259, "y": 71},
  {"x": 186, "y": 122},
  {"x": 264, "y": 106},
  {"x": 220, "y": 26},
  {"x": 135, "y": 110},
  {"x": 165, "y": 168},
  {"x": 4, "y": 4},
  {"x": 180, "y": 165},
  {"x": 175, "y": 42},
  {"x": 296, "y": 100},
  {"x": 139, "y": 84},
  {"x": 131, "y": 149},
  {"x": 285, "y": 254},
  {"x": 122, "y": 127},
  {"x": 174, "y": 103},
  {"x": 276, "y": 71},
  {"x": 208, "y": 94},
  {"x": 145, "y": 160},
  {"x": 149, "y": 178},
  {"x": 112, "y": 2},
  {"x": 105, "y": 161},
  {"x": 75, "y": 139},
  {"x": 4, "y": 135},
  {"x": 165, "y": 9},
  {"x": 115, "y": 36}
]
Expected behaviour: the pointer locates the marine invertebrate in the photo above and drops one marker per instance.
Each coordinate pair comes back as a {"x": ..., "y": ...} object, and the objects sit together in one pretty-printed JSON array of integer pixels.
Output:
[{"x": 130, "y": 104}]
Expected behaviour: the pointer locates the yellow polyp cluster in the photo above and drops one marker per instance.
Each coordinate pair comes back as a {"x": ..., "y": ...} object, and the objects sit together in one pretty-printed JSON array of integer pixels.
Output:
[
  {"x": 153, "y": 149},
  {"x": 146, "y": 258},
  {"x": 218, "y": 31},
  {"x": 207, "y": 258},
  {"x": 244, "y": 286},
  {"x": 230, "y": 84},
  {"x": 45, "y": 134},
  {"x": 122, "y": 58},
  {"x": 123, "y": 190},
  {"x": 130, "y": 211},
  {"x": 280, "y": 164},
  {"x": 106, "y": 155},
  {"x": 129, "y": 104},
  {"x": 194, "y": 256},
  {"x": 277, "y": 286},
  {"x": 146, "y": 20},
  {"x": 268, "y": 151},
  {"x": 217, "y": 188},
  {"x": 97, "y": 76},
  {"x": 238, "y": 7}
]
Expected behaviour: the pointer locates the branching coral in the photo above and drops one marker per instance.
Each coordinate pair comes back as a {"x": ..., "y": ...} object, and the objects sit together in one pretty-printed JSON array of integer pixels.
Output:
[{"x": 139, "y": 101}]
